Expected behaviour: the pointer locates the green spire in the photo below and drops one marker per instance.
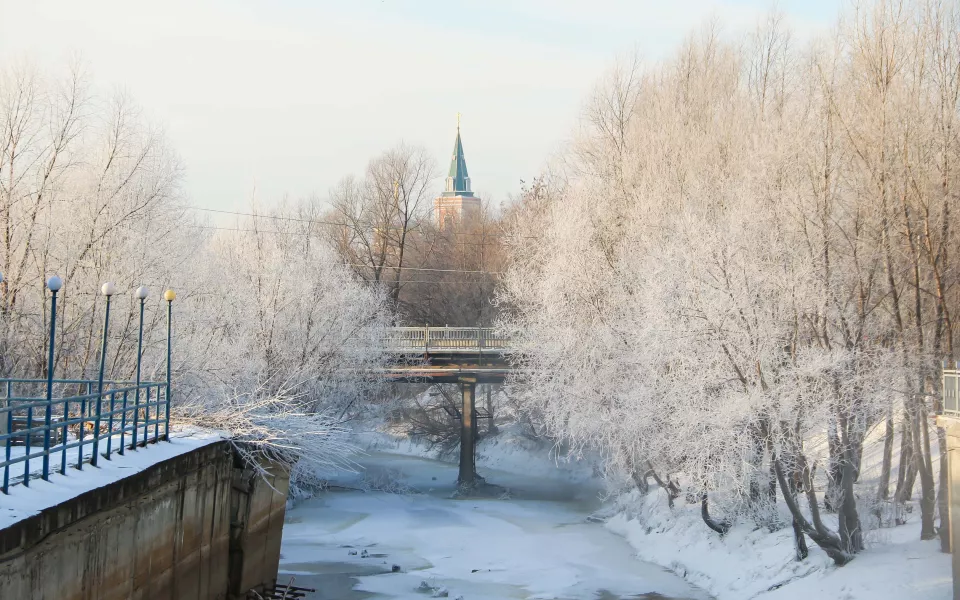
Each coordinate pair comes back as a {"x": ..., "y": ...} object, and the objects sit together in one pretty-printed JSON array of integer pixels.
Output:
[{"x": 458, "y": 181}]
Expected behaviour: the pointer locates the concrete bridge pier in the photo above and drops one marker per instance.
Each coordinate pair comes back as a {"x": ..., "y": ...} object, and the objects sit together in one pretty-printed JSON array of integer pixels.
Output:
[{"x": 468, "y": 432}]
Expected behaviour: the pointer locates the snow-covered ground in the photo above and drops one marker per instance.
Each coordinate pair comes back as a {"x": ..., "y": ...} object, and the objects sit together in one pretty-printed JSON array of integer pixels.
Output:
[
  {"x": 747, "y": 563},
  {"x": 532, "y": 542},
  {"x": 751, "y": 562},
  {"x": 23, "y": 502}
]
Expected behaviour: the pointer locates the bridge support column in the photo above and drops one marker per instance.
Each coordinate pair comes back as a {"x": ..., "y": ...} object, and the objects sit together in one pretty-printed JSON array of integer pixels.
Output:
[{"x": 468, "y": 440}]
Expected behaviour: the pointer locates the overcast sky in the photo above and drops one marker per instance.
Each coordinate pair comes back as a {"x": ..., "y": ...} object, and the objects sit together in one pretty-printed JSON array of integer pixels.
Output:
[{"x": 291, "y": 95}]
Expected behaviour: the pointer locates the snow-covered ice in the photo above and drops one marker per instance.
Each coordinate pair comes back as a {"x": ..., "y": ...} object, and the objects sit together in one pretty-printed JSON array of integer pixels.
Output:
[
  {"x": 748, "y": 563},
  {"x": 534, "y": 543}
]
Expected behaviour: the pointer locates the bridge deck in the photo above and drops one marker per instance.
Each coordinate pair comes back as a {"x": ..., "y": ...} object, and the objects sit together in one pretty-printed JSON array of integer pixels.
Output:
[
  {"x": 446, "y": 340},
  {"x": 452, "y": 354}
]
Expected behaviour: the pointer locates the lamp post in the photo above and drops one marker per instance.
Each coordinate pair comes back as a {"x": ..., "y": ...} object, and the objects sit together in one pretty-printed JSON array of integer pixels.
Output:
[
  {"x": 169, "y": 296},
  {"x": 6, "y": 427},
  {"x": 141, "y": 293},
  {"x": 108, "y": 290},
  {"x": 53, "y": 284}
]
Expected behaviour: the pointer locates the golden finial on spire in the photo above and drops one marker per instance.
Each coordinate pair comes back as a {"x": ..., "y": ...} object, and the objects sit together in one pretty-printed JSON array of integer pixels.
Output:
[{"x": 458, "y": 121}]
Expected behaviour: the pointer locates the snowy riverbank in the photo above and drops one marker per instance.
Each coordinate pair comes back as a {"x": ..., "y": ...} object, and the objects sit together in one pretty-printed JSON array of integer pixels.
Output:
[
  {"x": 754, "y": 563},
  {"x": 748, "y": 562}
]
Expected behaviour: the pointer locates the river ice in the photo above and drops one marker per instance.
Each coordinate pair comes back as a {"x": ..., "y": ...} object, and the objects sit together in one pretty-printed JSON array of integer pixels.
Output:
[{"x": 533, "y": 541}]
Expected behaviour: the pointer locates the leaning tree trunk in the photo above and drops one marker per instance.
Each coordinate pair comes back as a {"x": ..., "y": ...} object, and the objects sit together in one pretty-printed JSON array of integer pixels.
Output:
[
  {"x": 828, "y": 541},
  {"x": 670, "y": 486},
  {"x": 795, "y": 480},
  {"x": 721, "y": 527}
]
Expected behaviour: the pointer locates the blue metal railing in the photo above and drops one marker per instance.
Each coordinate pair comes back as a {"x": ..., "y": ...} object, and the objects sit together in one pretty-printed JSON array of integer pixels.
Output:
[{"x": 59, "y": 424}]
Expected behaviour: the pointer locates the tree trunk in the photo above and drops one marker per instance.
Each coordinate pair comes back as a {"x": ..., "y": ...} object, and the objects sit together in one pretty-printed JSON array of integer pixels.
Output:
[
  {"x": 670, "y": 487},
  {"x": 491, "y": 422},
  {"x": 799, "y": 541},
  {"x": 832, "y": 496},
  {"x": 828, "y": 541},
  {"x": 721, "y": 527},
  {"x": 907, "y": 471},
  {"x": 640, "y": 479},
  {"x": 851, "y": 534},
  {"x": 921, "y": 458},
  {"x": 883, "y": 486}
]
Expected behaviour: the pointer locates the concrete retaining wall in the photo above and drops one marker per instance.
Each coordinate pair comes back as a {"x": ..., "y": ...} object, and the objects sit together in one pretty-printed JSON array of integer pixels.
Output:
[{"x": 189, "y": 527}]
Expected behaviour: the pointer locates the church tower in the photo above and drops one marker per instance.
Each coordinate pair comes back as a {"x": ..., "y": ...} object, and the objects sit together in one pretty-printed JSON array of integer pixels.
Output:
[{"x": 457, "y": 204}]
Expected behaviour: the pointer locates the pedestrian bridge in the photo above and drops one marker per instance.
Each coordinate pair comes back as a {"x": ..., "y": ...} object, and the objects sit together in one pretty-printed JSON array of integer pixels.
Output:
[
  {"x": 446, "y": 355},
  {"x": 463, "y": 355},
  {"x": 446, "y": 341}
]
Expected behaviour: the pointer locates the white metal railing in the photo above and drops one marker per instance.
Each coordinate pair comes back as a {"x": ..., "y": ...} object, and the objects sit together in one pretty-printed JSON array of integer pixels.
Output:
[
  {"x": 444, "y": 339},
  {"x": 951, "y": 389}
]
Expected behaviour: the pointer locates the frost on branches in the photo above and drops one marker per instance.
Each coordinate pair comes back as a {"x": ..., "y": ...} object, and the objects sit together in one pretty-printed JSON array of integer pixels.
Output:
[
  {"x": 294, "y": 331},
  {"x": 268, "y": 325},
  {"x": 739, "y": 271}
]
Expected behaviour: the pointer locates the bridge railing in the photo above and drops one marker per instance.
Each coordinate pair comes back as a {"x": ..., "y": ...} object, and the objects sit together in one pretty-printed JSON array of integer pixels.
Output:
[
  {"x": 67, "y": 430},
  {"x": 951, "y": 389},
  {"x": 444, "y": 339}
]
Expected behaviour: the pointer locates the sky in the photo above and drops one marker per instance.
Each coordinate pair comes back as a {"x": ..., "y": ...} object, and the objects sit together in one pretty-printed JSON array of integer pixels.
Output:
[{"x": 287, "y": 97}]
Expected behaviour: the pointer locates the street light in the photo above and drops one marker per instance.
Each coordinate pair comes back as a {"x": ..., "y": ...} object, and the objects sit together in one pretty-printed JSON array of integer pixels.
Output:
[
  {"x": 141, "y": 294},
  {"x": 169, "y": 296},
  {"x": 53, "y": 284},
  {"x": 108, "y": 290}
]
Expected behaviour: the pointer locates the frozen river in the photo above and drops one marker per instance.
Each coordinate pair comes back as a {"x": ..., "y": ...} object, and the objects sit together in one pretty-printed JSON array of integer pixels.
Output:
[{"x": 534, "y": 542}]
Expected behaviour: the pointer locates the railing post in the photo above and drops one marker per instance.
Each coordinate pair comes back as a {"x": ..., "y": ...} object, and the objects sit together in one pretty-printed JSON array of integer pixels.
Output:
[
  {"x": 113, "y": 406},
  {"x": 142, "y": 293},
  {"x": 146, "y": 417},
  {"x": 123, "y": 423},
  {"x": 54, "y": 284},
  {"x": 81, "y": 430},
  {"x": 108, "y": 290},
  {"x": 63, "y": 436},
  {"x": 6, "y": 468},
  {"x": 169, "y": 296},
  {"x": 9, "y": 422}
]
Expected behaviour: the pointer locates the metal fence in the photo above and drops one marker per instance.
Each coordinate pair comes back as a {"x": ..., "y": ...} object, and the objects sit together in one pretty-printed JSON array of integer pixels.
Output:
[
  {"x": 951, "y": 389},
  {"x": 444, "y": 339},
  {"x": 44, "y": 418},
  {"x": 77, "y": 425}
]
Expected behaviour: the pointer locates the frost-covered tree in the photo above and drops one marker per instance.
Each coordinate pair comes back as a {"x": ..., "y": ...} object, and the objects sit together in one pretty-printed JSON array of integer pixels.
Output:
[
  {"x": 741, "y": 268},
  {"x": 271, "y": 330}
]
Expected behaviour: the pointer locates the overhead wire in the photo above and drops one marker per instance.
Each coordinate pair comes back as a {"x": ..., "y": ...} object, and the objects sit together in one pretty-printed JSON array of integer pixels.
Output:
[
  {"x": 314, "y": 221},
  {"x": 360, "y": 265},
  {"x": 299, "y": 233}
]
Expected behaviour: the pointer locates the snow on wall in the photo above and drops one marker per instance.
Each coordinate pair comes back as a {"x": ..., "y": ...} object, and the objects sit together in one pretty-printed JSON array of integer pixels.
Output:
[{"x": 23, "y": 502}]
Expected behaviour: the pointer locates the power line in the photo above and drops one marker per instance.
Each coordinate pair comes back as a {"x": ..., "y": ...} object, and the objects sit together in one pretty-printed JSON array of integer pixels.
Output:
[
  {"x": 300, "y": 233},
  {"x": 372, "y": 267},
  {"x": 311, "y": 221},
  {"x": 424, "y": 269}
]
